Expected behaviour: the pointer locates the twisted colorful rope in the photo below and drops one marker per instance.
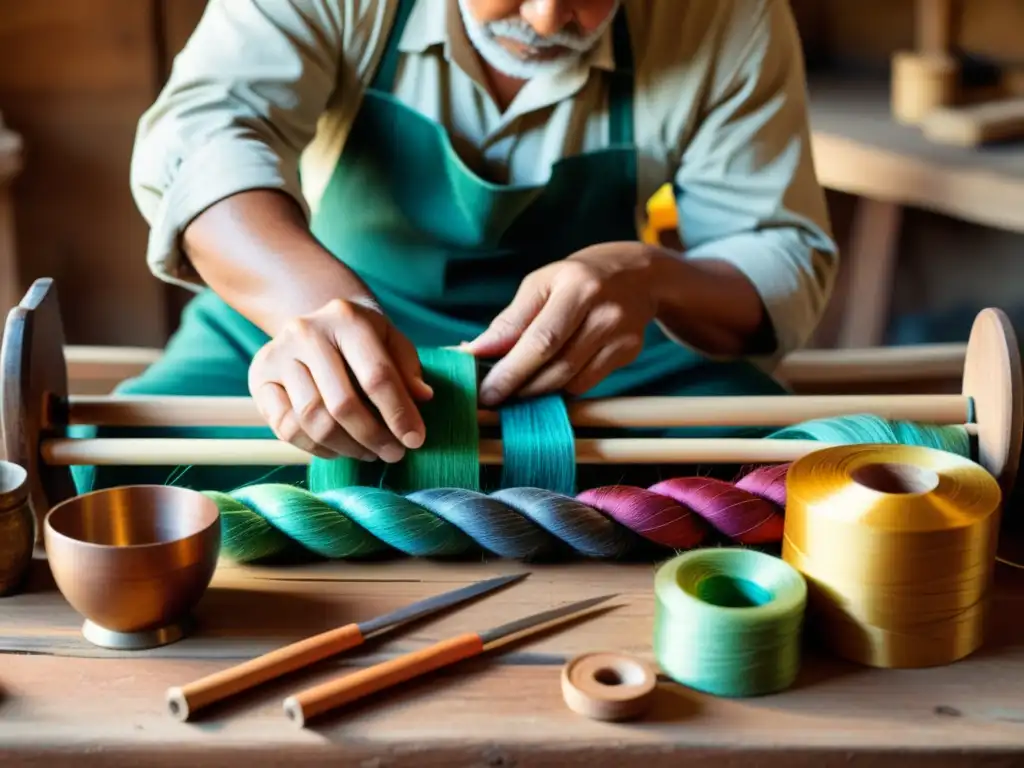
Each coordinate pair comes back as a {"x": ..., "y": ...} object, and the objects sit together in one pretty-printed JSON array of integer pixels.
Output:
[
  {"x": 264, "y": 521},
  {"x": 433, "y": 503}
]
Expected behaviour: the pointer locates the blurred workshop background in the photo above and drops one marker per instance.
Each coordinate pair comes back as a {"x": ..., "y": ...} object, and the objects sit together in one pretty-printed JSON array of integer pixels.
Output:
[{"x": 918, "y": 117}]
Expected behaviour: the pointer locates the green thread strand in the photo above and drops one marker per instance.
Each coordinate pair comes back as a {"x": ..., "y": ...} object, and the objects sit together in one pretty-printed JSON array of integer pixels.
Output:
[
  {"x": 450, "y": 456},
  {"x": 320, "y": 531},
  {"x": 538, "y": 445},
  {"x": 247, "y": 537},
  {"x": 729, "y": 621}
]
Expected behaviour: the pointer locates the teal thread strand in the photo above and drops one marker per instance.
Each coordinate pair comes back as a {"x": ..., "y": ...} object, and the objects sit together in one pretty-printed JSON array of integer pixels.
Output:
[
  {"x": 449, "y": 458},
  {"x": 538, "y": 445},
  {"x": 388, "y": 517},
  {"x": 861, "y": 429}
]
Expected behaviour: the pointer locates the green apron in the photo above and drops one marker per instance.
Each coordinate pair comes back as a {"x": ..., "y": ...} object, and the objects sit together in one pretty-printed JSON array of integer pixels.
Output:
[{"x": 444, "y": 251}]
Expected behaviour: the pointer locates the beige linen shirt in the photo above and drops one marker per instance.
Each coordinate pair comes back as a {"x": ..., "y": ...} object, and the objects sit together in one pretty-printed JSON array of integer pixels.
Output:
[{"x": 264, "y": 87}]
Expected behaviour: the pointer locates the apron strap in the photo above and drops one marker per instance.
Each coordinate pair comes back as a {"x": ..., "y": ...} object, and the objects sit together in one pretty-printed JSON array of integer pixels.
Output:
[
  {"x": 384, "y": 80},
  {"x": 620, "y": 93}
]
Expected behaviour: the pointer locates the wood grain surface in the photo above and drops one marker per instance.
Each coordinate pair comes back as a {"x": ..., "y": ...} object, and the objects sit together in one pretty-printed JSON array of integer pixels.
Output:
[
  {"x": 860, "y": 150},
  {"x": 58, "y": 695}
]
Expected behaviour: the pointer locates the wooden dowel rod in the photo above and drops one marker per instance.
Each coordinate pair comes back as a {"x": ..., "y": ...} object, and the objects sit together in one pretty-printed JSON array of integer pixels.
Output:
[
  {"x": 198, "y": 452},
  {"x": 920, "y": 362},
  {"x": 916, "y": 362},
  {"x": 934, "y": 22},
  {"x": 766, "y": 411}
]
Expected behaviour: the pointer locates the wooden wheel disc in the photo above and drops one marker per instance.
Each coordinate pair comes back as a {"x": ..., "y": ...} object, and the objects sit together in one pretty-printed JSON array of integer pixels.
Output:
[
  {"x": 993, "y": 381},
  {"x": 33, "y": 377}
]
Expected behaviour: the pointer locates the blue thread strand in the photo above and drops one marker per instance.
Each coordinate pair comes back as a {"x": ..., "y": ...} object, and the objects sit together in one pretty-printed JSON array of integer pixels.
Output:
[
  {"x": 583, "y": 528},
  {"x": 489, "y": 523}
]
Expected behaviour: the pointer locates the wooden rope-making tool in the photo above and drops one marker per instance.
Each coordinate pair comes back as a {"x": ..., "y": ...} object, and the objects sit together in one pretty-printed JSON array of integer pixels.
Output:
[
  {"x": 37, "y": 410},
  {"x": 140, "y": 597}
]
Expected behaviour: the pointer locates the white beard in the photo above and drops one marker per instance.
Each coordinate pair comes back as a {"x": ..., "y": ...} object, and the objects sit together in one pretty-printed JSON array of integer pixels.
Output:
[{"x": 484, "y": 38}]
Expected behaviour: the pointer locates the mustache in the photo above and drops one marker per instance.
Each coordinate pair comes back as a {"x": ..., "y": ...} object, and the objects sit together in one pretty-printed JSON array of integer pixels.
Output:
[{"x": 521, "y": 32}]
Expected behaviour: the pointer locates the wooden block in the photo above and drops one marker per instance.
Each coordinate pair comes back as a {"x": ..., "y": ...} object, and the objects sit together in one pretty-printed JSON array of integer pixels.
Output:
[
  {"x": 976, "y": 125},
  {"x": 920, "y": 84}
]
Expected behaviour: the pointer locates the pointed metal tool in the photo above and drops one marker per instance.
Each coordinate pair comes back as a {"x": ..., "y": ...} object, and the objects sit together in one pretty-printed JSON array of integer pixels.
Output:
[
  {"x": 187, "y": 700},
  {"x": 314, "y": 701}
]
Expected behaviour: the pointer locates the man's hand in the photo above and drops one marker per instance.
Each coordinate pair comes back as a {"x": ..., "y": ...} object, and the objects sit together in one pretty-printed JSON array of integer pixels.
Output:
[
  {"x": 342, "y": 381},
  {"x": 571, "y": 323}
]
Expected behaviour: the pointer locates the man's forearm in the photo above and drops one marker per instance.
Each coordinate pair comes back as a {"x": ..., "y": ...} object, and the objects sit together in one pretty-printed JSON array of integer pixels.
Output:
[
  {"x": 256, "y": 252},
  {"x": 711, "y": 305}
]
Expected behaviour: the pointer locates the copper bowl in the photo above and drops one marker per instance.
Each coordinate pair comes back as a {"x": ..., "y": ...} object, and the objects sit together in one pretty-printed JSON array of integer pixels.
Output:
[{"x": 134, "y": 561}]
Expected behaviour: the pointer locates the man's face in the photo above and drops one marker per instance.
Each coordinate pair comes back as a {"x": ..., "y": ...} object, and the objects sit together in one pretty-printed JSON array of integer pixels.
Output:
[{"x": 524, "y": 38}]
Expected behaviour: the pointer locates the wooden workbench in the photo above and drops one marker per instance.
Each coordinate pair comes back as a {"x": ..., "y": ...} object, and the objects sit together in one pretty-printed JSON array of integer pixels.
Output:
[
  {"x": 860, "y": 150},
  {"x": 60, "y": 695}
]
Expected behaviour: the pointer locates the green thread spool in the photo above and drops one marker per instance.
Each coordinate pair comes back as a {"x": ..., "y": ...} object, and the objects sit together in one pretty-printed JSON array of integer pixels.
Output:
[{"x": 729, "y": 621}]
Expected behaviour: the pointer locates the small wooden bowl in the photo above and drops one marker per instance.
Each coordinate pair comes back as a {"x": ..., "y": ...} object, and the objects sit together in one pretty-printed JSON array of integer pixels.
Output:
[{"x": 134, "y": 561}]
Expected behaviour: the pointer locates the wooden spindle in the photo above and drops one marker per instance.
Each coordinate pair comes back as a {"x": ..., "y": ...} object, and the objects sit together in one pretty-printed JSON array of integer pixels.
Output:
[
  {"x": 62, "y": 452},
  {"x": 652, "y": 412}
]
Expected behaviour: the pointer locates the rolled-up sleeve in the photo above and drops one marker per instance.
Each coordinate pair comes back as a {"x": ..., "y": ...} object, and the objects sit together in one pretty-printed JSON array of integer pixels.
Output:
[
  {"x": 746, "y": 189},
  {"x": 241, "y": 103}
]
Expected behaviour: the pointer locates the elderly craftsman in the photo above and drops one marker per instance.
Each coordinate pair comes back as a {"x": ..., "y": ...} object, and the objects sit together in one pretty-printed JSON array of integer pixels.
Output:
[{"x": 346, "y": 180}]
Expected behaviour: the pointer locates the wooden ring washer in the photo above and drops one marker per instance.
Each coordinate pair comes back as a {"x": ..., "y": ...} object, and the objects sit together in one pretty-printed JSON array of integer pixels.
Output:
[{"x": 608, "y": 686}]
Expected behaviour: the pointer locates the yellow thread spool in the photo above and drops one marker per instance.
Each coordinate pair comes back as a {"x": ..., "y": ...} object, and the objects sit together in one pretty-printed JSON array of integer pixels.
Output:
[{"x": 898, "y": 546}]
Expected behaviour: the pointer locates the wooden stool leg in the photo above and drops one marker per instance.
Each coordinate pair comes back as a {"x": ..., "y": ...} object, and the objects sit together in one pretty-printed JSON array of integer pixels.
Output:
[{"x": 872, "y": 256}]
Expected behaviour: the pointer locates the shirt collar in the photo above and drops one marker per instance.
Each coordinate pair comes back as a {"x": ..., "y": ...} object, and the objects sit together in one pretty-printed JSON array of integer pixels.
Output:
[{"x": 428, "y": 27}]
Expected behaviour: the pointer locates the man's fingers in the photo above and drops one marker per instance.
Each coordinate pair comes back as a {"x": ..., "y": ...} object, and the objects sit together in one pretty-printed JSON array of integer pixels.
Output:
[
  {"x": 408, "y": 361},
  {"x": 307, "y": 411},
  {"x": 554, "y": 325},
  {"x": 341, "y": 421},
  {"x": 272, "y": 402},
  {"x": 573, "y": 358},
  {"x": 383, "y": 385},
  {"x": 509, "y": 325},
  {"x": 619, "y": 353},
  {"x": 284, "y": 419},
  {"x": 350, "y": 410}
]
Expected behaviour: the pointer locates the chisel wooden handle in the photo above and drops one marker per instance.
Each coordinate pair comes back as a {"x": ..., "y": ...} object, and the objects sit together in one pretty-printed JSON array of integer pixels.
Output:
[
  {"x": 314, "y": 701},
  {"x": 187, "y": 700}
]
